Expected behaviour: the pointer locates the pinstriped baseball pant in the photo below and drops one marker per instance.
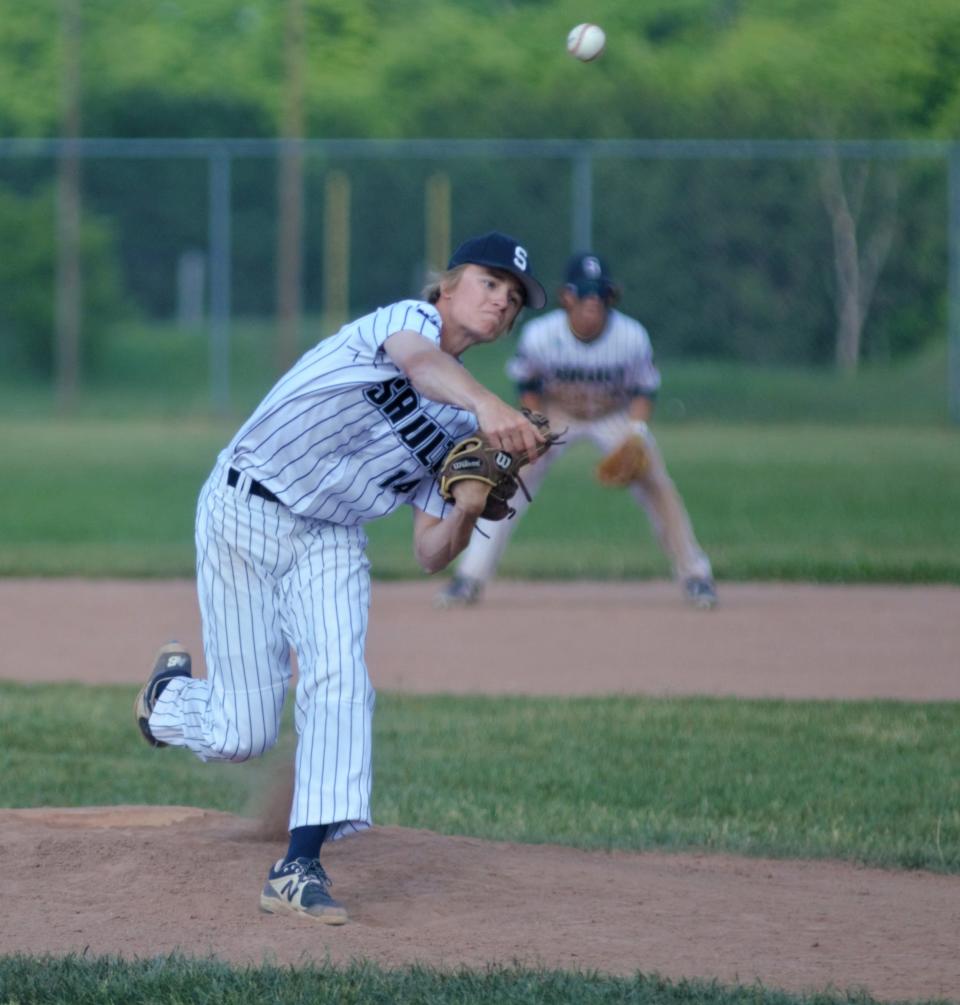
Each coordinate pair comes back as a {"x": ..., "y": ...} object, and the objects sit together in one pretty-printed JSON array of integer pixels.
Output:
[{"x": 268, "y": 580}]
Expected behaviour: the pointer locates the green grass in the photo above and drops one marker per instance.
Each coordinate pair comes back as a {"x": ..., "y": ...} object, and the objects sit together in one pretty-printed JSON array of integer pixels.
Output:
[
  {"x": 788, "y": 474},
  {"x": 859, "y": 503},
  {"x": 95, "y": 497},
  {"x": 854, "y": 504},
  {"x": 178, "y": 980},
  {"x": 874, "y": 782}
]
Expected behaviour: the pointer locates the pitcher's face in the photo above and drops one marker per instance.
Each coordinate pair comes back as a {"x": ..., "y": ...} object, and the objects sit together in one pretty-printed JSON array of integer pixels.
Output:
[{"x": 484, "y": 302}]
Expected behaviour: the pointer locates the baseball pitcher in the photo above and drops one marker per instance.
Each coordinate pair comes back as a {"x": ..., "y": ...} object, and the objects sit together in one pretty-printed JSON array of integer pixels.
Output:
[{"x": 372, "y": 418}]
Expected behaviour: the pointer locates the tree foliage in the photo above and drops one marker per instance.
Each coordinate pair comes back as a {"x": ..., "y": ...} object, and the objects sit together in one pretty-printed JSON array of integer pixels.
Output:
[
  {"x": 691, "y": 68},
  {"x": 26, "y": 282},
  {"x": 723, "y": 259}
]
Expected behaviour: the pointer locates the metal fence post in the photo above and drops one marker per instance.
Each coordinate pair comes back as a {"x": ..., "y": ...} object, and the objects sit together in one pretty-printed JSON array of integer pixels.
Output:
[
  {"x": 953, "y": 284},
  {"x": 582, "y": 222},
  {"x": 220, "y": 269}
]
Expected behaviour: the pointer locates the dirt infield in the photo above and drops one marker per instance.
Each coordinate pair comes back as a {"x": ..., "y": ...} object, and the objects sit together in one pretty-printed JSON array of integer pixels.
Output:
[
  {"x": 764, "y": 640},
  {"x": 413, "y": 895}
]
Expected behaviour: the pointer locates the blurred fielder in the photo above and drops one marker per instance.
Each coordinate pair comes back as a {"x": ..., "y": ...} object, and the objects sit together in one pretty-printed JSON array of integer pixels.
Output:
[{"x": 589, "y": 368}]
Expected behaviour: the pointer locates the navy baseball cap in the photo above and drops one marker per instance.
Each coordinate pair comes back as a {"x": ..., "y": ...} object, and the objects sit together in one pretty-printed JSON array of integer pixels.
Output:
[
  {"x": 500, "y": 251},
  {"x": 588, "y": 274}
]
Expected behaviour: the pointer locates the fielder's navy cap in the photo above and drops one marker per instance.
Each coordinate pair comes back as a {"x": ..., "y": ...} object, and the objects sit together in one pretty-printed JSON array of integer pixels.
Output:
[
  {"x": 588, "y": 274},
  {"x": 500, "y": 251}
]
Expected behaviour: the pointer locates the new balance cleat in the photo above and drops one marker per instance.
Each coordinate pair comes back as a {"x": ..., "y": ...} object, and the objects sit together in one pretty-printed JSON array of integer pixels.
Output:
[
  {"x": 700, "y": 592},
  {"x": 459, "y": 592},
  {"x": 300, "y": 887},
  {"x": 172, "y": 661}
]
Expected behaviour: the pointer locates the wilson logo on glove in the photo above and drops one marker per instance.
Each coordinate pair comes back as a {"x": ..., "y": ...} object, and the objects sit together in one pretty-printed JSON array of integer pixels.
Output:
[{"x": 475, "y": 457}]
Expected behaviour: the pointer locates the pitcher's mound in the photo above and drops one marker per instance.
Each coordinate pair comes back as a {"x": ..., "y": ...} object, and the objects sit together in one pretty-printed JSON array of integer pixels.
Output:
[
  {"x": 141, "y": 881},
  {"x": 80, "y": 817}
]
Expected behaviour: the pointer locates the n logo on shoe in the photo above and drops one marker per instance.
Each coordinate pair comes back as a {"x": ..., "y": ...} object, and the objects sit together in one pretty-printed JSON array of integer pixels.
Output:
[
  {"x": 291, "y": 890},
  {"x": 177, "y": 660}
]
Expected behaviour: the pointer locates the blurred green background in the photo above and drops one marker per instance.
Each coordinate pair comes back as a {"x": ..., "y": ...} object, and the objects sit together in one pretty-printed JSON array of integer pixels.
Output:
[
  {"x": 191, "y": 194},
  {"x": 787, "y": 473},
  {"x": 228, "y": 259}
]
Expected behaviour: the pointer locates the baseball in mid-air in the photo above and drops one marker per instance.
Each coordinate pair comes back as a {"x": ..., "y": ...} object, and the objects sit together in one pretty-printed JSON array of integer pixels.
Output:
[{"x": 586, "y": 41}]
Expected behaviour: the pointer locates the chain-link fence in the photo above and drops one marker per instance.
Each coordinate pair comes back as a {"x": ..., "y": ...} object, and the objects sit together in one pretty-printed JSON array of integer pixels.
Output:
[{"x": 775, "y": 253}]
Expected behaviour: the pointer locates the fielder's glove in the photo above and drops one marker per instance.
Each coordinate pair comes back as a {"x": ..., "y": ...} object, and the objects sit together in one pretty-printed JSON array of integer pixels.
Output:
[
  {"x": 475, "y": 457},
  {"x": 627, "y": 464}
]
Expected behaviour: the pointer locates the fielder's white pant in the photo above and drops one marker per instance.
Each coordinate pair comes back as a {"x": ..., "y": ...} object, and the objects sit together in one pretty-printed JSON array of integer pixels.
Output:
[
  {"x": 268, "y": 580},
  {"x": 656, "y": 494}
]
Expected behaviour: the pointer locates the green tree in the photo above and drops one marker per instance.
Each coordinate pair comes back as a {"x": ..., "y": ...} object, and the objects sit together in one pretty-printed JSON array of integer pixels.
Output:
[
  {"x": 27, "y": 282},
  {"x": 841, "y": 265}
]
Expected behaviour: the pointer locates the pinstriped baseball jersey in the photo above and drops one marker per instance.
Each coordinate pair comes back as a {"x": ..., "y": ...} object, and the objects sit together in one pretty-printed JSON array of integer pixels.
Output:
[
  {"x": 343, "y": 436},
  {"x": 586, "y": 379}
]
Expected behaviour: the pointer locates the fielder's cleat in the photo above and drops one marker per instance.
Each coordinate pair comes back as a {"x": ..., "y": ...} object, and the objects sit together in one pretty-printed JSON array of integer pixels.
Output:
[
  {"x": 172, "y": 661},
  {"x": 300, "y": 887},
  {"x": 700, "y": 592},
  {"x": 459, "y": 592}
]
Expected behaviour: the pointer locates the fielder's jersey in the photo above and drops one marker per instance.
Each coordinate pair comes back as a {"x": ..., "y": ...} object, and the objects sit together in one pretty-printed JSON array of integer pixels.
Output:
[
  {"x": 585, "y": 379},
  {"x": 344, "y": 436}
]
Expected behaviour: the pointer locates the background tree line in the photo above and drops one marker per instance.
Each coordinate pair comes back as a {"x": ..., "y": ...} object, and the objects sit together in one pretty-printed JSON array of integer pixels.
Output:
[{"x": 809, "y": 262}]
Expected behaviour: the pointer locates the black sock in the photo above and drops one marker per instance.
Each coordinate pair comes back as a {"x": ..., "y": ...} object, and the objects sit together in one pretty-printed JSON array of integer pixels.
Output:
[{"x": 306, "y": 842}]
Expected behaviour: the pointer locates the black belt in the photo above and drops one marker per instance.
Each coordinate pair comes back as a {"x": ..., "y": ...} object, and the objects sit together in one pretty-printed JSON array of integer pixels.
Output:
[{"x": 256, "y": 489}]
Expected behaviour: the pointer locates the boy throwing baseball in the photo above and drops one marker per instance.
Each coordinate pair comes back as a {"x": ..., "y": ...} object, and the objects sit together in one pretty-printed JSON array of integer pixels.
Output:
[{"x": 358, "y": 427}]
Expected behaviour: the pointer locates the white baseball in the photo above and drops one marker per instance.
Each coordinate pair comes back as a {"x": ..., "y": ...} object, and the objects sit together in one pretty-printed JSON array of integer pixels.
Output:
[{"x": 586, "y": 41}]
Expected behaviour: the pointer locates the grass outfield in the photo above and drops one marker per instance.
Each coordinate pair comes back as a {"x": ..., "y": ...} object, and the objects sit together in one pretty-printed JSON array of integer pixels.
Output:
[
  {"x": 792, "y": 502},
  {"x": 873, "y": 782},
  {"x": 788, "y": 474},
  {"x": 182, "y": 981}
]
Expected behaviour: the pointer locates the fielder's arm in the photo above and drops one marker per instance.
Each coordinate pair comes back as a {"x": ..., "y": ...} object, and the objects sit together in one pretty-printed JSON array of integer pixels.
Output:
[
  {"x": 641, "y": 408},
  {"x": 533, "y": 401},
  {"x": 440, "y": 377}
]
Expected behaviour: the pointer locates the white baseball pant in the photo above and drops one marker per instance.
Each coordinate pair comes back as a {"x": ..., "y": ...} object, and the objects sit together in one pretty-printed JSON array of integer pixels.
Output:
[{"x": 268, "y": 580}]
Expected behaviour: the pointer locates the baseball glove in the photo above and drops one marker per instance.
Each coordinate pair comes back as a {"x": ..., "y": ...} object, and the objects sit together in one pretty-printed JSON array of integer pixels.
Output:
[
  {"x": 474, "y": 457},
  {"x": 627, "y": 464}
]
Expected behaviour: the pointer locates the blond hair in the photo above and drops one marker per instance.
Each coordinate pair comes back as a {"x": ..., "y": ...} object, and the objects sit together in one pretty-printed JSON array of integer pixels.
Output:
[{"x": 438, "y": 281}]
